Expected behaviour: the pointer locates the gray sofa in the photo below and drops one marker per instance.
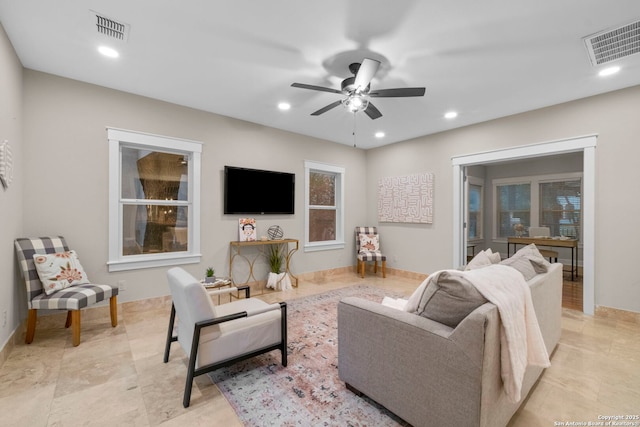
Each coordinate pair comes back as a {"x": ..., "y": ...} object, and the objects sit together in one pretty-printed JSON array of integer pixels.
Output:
[{"x": 430, "y": 374}]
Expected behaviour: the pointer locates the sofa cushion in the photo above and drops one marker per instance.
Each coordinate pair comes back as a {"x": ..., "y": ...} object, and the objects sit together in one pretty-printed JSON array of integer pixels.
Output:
[
  {"x": 493, "y": 256},
  {"x": 528, "y": 261},
  {"x": 480, "y": 260},
  {"x": 414, "y": 300},
  {"x": 448, "y": 298},
  {"x": 483, "y": 259}
]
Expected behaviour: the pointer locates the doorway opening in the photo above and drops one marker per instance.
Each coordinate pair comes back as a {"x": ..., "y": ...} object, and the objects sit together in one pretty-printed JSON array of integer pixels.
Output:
[{"x": 586, "y": 145}]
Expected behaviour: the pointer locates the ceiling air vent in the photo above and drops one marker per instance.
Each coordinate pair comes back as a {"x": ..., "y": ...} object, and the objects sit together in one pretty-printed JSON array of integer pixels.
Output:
[
  {"x": 110, "y": 27},
  {"x": 610, "y": 45}
]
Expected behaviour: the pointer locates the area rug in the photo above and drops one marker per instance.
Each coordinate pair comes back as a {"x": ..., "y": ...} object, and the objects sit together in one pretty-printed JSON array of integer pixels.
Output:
[{"x": 308, "y": 391}]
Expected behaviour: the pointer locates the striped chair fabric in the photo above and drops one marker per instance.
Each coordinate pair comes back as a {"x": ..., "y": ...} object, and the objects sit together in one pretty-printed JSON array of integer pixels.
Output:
[
  {"x": 364, "y": 256},
  {"x": 72, "y": 299}
]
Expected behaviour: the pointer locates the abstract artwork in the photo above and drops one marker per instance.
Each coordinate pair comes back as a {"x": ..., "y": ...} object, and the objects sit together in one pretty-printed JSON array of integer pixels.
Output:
[{"x": 406, "y": 198}]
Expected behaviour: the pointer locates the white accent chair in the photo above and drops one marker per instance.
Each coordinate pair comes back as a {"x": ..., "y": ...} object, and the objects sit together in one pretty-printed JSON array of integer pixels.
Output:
[{"x": 217, "y": 336}]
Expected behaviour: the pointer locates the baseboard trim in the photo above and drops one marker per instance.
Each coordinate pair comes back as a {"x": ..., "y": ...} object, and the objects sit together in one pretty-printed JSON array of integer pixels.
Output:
[
  {"x": 8, "y": 347},
  {"x": 617, "y": 314}
]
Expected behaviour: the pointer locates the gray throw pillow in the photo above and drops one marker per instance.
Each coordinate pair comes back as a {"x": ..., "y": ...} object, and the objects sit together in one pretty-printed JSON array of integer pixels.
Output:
[
  {"x": 523, "y": 265},
  {"x": 449, "y": 298},
  {"x": 528, "y": 261}
]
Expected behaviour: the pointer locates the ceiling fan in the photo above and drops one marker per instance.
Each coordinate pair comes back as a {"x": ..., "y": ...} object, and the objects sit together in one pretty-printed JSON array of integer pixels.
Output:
[{"x": 357, "y": 90}]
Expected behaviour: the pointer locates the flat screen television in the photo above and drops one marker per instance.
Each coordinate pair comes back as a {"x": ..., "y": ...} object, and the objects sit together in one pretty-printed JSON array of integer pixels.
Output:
[{"x": 256, "y": 191}]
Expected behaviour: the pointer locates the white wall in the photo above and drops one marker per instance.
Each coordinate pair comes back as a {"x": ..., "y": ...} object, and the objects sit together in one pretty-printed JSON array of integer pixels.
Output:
[
  {"x": 612, "y": 116},
  {"x": 12, "y": 298},
  {"x": 67, "y": 169},
  {"x": 57, "y": 130}
]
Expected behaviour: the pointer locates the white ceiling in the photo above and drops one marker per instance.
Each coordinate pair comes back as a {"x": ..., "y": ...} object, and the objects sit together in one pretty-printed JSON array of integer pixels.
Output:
[{"x": 483, "y": 59}]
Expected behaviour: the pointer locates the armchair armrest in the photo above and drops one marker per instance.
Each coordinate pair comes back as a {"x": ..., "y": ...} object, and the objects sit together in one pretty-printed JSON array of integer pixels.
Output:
[
  {"x": 276, "y": 306},
  {"x": 209, "y": 322},
  {"x": 270, "y": 307},
  {"x": 245, "y": 288},
  {"x": 224, "y": 291}
]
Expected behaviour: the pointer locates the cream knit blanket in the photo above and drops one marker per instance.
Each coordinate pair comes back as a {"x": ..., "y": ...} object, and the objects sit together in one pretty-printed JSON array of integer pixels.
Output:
[{"x": 521, "y": 341}]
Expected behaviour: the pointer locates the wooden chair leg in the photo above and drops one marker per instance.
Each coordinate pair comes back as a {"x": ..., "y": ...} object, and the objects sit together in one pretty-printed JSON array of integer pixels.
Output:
[
  {"x": 67, "y": 323},
  {"x": 31, "y": 325},
  {"x": 384, "y": 269},
  {"x": 113, "y": 309},
  {"x": 375, "y": 267},
  {"x": 362, "y": 264},
  {"x": 75, "y": 327}
]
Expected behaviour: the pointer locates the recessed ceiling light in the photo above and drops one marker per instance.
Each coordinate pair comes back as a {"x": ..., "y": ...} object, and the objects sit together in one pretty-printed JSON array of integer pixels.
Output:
[
  {"x": 451, "y": 115},
  {"x": 107, "y": 51},
  {"x": 379, "y": 134},
  {"x": 609, "y": 71},
  {"x": 284, "y": 106}
]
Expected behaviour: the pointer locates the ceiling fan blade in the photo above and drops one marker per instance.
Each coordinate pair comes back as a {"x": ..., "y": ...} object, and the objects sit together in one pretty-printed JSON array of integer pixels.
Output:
[
  {"x": 327, "y": 108},
  {"x": 367, "y": 70},
  {"x": 312, "y": 87},
  {"x": 399, "y": 92},
  {"x": 372, "y": 111}
]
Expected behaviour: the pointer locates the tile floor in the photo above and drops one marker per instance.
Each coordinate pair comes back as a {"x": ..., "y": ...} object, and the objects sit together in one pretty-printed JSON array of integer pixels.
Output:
[{"x": 116, "y": 375}]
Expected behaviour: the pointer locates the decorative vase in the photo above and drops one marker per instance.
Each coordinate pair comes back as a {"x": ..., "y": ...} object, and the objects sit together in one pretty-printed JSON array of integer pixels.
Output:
[
  {"x": 209, "y": 279},
  {"x": 279, "y": 281}
]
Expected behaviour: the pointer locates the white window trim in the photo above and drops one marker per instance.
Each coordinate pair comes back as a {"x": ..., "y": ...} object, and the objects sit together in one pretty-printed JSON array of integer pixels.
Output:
[
  {"x": 534, "y": 181},
  {"x": 338, "y": 243},
  {"x": 473, "y": 180},
  {"x": 118, "y": 138}
]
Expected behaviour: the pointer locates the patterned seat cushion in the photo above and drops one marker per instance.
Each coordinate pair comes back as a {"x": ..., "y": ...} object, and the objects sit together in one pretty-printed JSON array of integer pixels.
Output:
[
  {"x": 371, "y": 256},
  {"x": 72, "y": 298}
]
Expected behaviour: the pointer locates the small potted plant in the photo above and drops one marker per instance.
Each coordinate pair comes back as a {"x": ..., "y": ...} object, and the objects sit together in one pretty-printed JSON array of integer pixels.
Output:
[
  {"x": 276, "y": 279},
  {"x": 210, "y": 275}
]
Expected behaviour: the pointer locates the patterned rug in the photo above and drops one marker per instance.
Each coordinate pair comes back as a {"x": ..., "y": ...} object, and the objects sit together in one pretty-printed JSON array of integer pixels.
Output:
[{"x": 308, "y": 391}]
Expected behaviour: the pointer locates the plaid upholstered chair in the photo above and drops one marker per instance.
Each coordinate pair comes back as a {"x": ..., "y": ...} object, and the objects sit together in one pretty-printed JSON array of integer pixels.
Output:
[
  {"x": 72, "y": 298},
  {"x": 368, "y": 249}
]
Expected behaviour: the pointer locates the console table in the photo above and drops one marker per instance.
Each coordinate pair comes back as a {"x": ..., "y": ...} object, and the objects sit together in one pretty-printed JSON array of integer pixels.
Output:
[
  {"x": 546, "y": 241},
  {"x": 290, "y": 246}
]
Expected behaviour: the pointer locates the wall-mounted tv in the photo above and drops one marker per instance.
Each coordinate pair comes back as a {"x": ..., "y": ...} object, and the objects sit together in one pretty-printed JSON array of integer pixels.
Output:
[{"x": 256, "y": 191}]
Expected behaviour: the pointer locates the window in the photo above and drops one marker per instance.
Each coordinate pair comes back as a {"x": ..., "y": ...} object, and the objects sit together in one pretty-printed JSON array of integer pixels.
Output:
[
  {"x": 561, "y": 207},
  {"x": 154, "y": 201},
  {"x": 552, "y": 201},
  {"x": 474, "y": 220},
  {"x": 324, "y": 224},
  {"x": 513, "y": 207}
]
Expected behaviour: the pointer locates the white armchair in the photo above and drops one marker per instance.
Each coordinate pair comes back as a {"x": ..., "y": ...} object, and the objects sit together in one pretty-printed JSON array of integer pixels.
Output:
[{"x": 217, "y": 336}]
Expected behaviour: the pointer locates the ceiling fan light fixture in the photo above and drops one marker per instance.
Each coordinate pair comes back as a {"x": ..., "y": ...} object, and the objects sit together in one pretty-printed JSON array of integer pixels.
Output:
[{"x": 355, "y": 102}]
